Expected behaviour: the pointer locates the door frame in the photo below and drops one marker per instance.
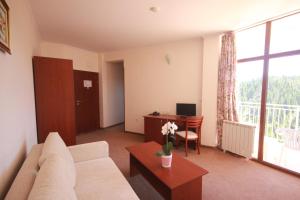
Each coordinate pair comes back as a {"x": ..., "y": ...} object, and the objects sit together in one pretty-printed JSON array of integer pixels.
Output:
[{"x": 124, "y": 89}]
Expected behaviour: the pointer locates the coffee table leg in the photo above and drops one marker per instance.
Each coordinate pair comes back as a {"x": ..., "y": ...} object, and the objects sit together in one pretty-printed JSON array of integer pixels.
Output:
[{"x": 133, "y": 168}]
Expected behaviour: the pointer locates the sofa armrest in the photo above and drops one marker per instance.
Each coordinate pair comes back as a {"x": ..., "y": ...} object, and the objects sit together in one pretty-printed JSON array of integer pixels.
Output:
[{"x": 89, "y": 151}]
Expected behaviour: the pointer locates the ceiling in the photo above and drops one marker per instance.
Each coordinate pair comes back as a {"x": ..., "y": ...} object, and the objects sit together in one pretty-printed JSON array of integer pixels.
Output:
[{"x": 106, "y": 25}]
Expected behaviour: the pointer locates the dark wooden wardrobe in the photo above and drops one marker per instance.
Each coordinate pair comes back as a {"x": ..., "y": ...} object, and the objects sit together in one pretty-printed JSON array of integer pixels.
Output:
[{"x": 54, "y": 98}]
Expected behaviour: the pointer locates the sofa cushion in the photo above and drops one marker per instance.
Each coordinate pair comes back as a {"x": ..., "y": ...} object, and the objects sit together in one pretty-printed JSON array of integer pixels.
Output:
[
  {"x": 52, "y": 182},
  {"x": 101, "y": 179},
  {"x": 55, "y": 145},
  {"x": 89, "y": 151}
]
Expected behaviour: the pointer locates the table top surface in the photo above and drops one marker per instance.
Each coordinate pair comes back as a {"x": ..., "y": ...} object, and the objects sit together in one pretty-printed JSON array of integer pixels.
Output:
[
  {"x": 162, "y": 116},
  {"x": 168, "y": 117},
  {"x": 177, "y": 118},
  {"x": 181, "y": 171}
]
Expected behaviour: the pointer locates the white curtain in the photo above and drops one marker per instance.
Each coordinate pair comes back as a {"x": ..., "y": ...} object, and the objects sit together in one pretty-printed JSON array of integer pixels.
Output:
[{"x": 226, "y": 104}]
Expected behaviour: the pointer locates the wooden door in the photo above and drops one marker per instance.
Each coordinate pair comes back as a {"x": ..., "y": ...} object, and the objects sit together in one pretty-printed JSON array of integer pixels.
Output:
[
  {"x": 54, "y": 98},
  {"x": 87, "y": 100}
]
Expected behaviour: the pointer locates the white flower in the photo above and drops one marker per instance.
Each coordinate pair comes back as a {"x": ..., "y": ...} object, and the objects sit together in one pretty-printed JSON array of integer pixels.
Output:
[
  {"x": 164, "y": 129},
  {"x": 173, "y": 128},
  {"x": 169, "y": 128},
  {"x": 169, "y": 125}
]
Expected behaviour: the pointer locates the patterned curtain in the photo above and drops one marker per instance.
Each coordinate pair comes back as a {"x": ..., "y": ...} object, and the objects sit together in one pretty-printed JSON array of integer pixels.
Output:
[{"x": 226, "y": 105}]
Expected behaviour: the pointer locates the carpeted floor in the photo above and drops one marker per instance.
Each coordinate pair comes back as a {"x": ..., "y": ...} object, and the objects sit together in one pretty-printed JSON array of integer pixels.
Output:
[{"x": 229, "y": 178}]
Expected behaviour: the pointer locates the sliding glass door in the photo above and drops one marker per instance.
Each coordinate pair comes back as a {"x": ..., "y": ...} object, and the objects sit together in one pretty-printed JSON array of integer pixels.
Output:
[
  {"x": 282, "y": 135},
  {"x": 268, "y": 89}
]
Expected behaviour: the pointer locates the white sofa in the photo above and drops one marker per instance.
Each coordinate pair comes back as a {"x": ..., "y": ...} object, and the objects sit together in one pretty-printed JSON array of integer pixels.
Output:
[{"x": 54, "y": 171}]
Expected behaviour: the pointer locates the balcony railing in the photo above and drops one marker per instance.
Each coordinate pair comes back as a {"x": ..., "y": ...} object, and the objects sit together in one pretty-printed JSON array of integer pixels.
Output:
[
  {"x": 277, "y": 116},
  {"x": 282, "y": 132}
]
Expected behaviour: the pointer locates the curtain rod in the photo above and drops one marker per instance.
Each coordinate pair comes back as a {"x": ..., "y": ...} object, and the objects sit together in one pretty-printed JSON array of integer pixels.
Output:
[{"x": 269, "y": 19}]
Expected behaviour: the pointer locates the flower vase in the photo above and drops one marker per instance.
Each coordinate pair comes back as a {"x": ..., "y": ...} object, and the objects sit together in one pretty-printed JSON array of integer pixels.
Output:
[{"x": 166, "y": 161}]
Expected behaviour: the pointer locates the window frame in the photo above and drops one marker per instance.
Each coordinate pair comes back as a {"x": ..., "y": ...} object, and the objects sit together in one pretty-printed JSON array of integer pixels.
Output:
[{"x": 266, "y": 59}]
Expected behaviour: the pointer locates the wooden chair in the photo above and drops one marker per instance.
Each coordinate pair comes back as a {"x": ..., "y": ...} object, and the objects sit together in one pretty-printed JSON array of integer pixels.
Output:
[{"x": 192, "y": 132}]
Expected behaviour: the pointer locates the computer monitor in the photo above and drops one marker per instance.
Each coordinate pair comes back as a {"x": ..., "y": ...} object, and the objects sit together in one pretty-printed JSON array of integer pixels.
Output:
[{"x": 185, "y": 109}]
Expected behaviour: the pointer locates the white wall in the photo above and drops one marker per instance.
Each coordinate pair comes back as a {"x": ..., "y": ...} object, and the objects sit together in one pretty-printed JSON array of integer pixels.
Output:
[
  {"x": 82, "y": 59},
  {"x": 17, "y": 108},
  {"x": 153, "y": 84},
  {"x": 211, "y": 52},
  {"x": 114, "y": 98}
]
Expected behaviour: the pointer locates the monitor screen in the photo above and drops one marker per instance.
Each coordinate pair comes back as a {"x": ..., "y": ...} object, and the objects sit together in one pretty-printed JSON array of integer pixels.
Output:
[{"x": 186, "y": 109}]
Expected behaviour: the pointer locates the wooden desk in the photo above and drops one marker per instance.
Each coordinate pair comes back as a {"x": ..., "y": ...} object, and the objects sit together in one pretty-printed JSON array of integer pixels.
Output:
[
  {"x": 153, "y": 124},
  {"x": 182, "y": 181}
]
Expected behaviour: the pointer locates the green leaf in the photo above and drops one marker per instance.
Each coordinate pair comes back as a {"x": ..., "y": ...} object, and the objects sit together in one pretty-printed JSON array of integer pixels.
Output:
[
  {"x": 167, "y": 148},
  {"x": 159, "y": 153},
  {"x": 170, "y": 146}
]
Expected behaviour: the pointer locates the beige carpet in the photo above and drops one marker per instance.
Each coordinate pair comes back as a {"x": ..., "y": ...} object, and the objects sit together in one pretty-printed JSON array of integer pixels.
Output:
[{"x": 229, "y": 177}]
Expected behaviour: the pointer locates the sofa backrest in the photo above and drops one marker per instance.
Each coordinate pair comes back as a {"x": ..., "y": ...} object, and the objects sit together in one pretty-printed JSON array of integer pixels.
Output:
[{"x": 25, "y": 178}]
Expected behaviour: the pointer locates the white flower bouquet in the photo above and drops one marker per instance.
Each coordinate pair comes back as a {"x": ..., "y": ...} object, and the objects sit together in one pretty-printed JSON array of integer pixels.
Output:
[{"x": 167, "y": 128}]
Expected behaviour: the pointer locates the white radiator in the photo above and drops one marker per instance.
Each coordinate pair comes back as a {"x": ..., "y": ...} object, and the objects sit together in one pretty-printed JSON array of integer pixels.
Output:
[{"x": 238, "y": 138}]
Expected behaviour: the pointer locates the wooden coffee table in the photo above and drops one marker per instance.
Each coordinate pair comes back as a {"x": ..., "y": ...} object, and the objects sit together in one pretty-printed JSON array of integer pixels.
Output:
[{"x": 182, "y": 181}]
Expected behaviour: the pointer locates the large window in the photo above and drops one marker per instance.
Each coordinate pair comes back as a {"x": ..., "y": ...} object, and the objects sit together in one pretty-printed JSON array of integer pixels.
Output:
[{"x": 268, "y": 89}]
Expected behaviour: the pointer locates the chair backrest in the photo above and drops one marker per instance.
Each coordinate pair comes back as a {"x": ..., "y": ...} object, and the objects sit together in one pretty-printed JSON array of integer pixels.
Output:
[
  {"x": 291, "y": 137},
  {"x": 194, "y": 122}
]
